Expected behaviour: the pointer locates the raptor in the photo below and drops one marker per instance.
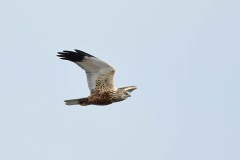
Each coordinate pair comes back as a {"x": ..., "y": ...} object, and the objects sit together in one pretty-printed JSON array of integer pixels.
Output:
[{"x": 100, "y": 78}]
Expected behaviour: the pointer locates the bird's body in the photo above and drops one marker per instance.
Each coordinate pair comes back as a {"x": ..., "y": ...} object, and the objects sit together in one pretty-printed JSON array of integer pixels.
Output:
[{"x": 100, "y": 80}]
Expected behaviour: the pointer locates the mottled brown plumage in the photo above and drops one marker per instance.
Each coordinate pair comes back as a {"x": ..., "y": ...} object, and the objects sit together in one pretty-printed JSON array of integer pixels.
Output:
[{"x": 100, "y": 80}]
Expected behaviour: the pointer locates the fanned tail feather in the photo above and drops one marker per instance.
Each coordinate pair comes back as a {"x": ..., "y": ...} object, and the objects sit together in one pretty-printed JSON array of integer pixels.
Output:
[{"x": 80, "y": 101}]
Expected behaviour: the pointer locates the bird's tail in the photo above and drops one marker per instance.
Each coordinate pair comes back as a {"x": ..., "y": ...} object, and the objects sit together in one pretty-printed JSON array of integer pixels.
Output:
[{"x": 80, "y": 101}]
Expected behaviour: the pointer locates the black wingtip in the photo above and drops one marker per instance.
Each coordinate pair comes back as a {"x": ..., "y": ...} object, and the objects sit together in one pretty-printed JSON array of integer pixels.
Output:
[
  {"x": 76, "y": 56},
  {"x": 83, "y": 53}
]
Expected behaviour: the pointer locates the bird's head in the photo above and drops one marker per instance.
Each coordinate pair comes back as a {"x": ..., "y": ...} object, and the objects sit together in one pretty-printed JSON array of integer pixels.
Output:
[{"x": 125, "y": 92}]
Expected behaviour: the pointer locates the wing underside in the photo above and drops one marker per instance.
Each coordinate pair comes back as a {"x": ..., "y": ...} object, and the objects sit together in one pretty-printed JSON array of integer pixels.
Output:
[{"x": 99, "y": 74}]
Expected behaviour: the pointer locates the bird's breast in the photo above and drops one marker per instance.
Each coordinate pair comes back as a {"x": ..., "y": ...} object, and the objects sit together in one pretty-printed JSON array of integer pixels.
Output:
[{"x": 101, "y": 98}]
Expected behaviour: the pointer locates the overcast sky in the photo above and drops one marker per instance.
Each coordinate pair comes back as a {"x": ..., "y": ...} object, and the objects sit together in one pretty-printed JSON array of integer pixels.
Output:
[{"x": 183, "y": 56}]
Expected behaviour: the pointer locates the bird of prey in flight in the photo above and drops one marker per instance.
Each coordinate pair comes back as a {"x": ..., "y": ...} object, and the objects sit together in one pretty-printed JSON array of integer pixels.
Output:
[{"x": 100, "y": 77}]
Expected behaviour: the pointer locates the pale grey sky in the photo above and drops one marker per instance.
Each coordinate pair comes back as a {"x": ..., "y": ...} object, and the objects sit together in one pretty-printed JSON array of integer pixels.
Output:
[{"x": 183, "y": 56}]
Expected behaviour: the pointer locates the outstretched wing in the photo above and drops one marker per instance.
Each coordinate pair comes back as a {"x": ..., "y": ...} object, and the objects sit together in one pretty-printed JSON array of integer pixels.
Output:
[{"x": 99, "y": 73}]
